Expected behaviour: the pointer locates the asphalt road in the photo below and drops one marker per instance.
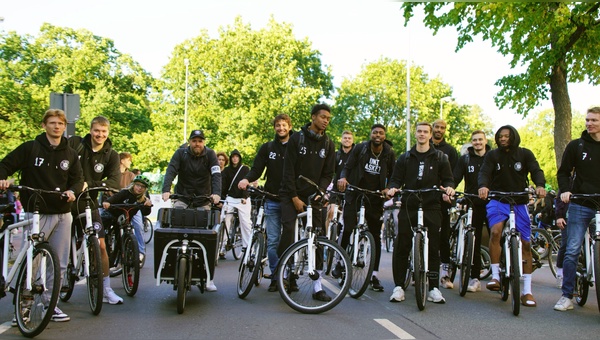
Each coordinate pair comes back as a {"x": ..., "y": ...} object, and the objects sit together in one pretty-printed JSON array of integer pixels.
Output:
[{"x": 152, "y": 314}]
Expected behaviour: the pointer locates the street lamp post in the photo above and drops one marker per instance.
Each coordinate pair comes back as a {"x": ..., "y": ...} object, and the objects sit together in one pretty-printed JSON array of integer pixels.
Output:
[
  {"x": 442, "y": 100},
  {"x": 186, "y": 61}
]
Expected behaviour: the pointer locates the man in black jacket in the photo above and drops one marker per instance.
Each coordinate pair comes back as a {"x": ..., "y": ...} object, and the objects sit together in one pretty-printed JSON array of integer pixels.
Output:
[
  {"x": 101, "y": 168},
  {"x": 420, "y": 168},
  {"x": 49, "y": 163},
  {"x": 506, "y": 169},
  {"x": 311, "y": 154},
  {"x": 369, "y": 166},
  {"x": 270, "y": 155},
  {"x": 468, "y": 167},
  {"x": 237, "y": 199}
]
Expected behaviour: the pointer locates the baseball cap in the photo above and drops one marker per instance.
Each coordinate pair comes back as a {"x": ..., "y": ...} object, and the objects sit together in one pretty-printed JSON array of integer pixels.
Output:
[{"x": 197, "y": 133}]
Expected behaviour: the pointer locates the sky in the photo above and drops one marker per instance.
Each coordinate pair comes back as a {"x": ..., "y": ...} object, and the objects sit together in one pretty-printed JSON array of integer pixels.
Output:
[{"x": 348, "y": 34}]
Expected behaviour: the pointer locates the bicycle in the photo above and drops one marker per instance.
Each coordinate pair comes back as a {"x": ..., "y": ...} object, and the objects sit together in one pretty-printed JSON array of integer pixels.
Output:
[
  {"x": 122, "y": 247},
  {"x": 542, "y": 245},
  {"x": 361, "y": 248},
  {"x": 303, "y": 263},
  {"x": 389, "y": 225},
  {"x": 335, "y": 225},
  {"x": 462, "y": 242},
  {"x": 588, "y": 269},
  {"x": 255, "y": 256},
  {"x": 148, "y": 230},
  {"x": 229, "y": 237},
  {"x": 486, "y": 262},
  {"x": 511, "y": 259},
  {"x": 420, "y": 248},
  {"x": 35, "y": 272},
  {"x": 85, "y": 259}
]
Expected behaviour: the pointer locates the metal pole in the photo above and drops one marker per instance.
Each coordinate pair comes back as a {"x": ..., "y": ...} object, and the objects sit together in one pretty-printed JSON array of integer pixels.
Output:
[
  {"x": 408, "y": 92},
  {"x": 185, "y": 114}
]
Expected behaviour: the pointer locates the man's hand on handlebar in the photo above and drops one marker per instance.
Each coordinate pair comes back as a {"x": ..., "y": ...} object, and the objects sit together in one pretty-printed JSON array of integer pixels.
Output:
[
  {"x": 565, "y": 197},
  {"x": 165, "y": 196},
  {"x": 215, "y": 198},
  {"x": 105, "y": 205},
  {"x": 483, "y": 193},
  {"x": 243, "y": 184},
  {"x": 540, "y": 192},
  {"x": 341, "y": 184},
  {"x": 298, "y": 204}
]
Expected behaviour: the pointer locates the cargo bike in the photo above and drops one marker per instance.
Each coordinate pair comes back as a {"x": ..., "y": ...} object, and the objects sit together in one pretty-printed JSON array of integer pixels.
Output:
[{"x": 185, "y": 247}]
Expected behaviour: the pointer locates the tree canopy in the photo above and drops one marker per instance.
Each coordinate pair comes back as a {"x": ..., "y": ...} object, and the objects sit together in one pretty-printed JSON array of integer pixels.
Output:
[{"x": 553, "y": 42}]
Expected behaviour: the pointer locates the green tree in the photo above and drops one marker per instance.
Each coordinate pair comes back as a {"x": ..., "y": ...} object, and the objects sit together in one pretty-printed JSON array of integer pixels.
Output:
[
  {"x": 238, "y": 83},
  {"x": 378, "y": 95},
  {"x": 64, "y": 60},
  {"x": 555, "y": 42}
]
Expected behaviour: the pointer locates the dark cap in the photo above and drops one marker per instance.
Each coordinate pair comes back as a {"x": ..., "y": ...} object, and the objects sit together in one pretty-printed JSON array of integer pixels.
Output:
[{"x": 197, "y": 133}]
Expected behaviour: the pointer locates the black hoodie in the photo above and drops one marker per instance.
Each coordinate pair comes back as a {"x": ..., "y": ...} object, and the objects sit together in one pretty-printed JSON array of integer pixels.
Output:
[
  {"x": 271, "y": 156},
  {"x": 232, "y": 175},
  {"x": 448, "y": 149},
  {"x": 50, "y": 168},
  {"x": 468, "y": 167},
  {"x": 507, "y": 169}
]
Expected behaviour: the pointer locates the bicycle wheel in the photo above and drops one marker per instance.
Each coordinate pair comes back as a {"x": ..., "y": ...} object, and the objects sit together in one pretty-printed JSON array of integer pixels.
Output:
[
  {"x": 452, "y": 266},
  {"x": 466, "y": 261},
  {"x": 69, "y": 281},
  {"x": 504, "y": 280},
  {"x": 419, "y": 274},
  {"x": 333, "y": 234},
  {"x": 236, "y": 242},
  {"x": 597, "y": 270},
  {"x": 95, "y": 284},
  {"x": 32, "y": 306},
  {"x": 582, "y": 286},
  {"x": 296, "y": 286},
  {"x": 221, "y": 242},
  {"x": 486, "y": 262},
  {"x": 389, "y": 233},
  {"x": 515, "y": 275},
  {"x": 182, "y": 283},
  {"x": 113, "y": 250},
  {"x": 148, "y": 230},
  {"x": 250, "y": 266},
  {"x": 131, "y": 264},
  {"x": 541, "y": 241},
  {"x": 365, "y": 261}
]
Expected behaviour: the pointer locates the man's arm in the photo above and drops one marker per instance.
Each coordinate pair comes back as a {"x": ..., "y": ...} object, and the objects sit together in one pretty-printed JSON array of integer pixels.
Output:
[
  {"x": 288, "y": 180},
  {"x": 328, "y": 168},
  {"x": 215, "y": 174},
  {"x": 259, "y": 164},
  {"x": 112, "y": 172},
  {"x": 567, "y": 166},
  {"x": 172, "y": 171},
  {"x": 75, "y": 180}
]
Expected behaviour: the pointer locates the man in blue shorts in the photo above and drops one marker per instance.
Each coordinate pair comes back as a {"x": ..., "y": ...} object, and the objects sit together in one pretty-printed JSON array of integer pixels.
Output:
[{"x": 506, "y": 169}]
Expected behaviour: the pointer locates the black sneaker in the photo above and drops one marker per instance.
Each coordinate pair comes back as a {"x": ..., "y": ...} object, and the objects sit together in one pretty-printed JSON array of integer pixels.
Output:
[
  {"x": 321, "y": 296},
  {"x": 337, "y": 271},
  {"x": 291, "y": 285},
  {"x": 273, "y": 286},
  {"x": 375, "y": 284}
]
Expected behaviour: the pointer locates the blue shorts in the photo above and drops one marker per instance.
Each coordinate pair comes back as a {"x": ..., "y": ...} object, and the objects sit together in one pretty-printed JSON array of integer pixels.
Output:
[{"x": 498, "y": 212}]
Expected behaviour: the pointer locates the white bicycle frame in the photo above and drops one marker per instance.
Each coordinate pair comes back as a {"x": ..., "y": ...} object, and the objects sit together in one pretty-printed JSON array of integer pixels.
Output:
[
  {"x": 334, "y": 219},
  {"x": 258, "y": 224},
  {"x": 507, "y": 232},
  {"x": 356, "y": 233},
  {"x": 421, "y": 226},
  {"x": 589, "y": 248},
  {"x": 77, "y": 253},
  {"x": 461, "y": 235}
]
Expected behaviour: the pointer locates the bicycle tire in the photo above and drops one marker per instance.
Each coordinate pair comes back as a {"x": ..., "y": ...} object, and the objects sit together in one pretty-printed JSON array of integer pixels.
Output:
[
  {"x": 248, "y": 271},
  {"x": 389, "y": 233},
  {"x": 419, "y": 272},
  {"x": 236, "y": 244},
  {"x": 582, "y": 286},
  {"x": 148, "y": 230},
  {"x": 333, "y": 233},
  {"x": 69, "y": 278},
  {"x": 220, "y": 244},
  {"x": 453, "y": 265},
  {"x": 515, "y": 276},
  {"x": 95, "y": 284},
  {"x": 292, "y": 265},
  {"x": 182, "y": 283},
  {"x": 131, "y": 264},
  {"x": 486, "y": 262},
  {"x": 504, "y": 280},
  {"x": 541, "y": 241},
  {"x": 597, "y": 270},
  {"x": 466, "y": 261},
  {"x": 31, "y": 306},
  {"x": 113, "y": 250},
  {"x": 365, "y": 262}
]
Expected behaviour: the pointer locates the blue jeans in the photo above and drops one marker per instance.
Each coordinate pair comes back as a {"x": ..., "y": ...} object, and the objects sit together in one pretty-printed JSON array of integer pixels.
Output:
[
  {"x": 579, "y": 219},
  {"x": 273, "y": 227},
  {"x": 138, "y": 224}
]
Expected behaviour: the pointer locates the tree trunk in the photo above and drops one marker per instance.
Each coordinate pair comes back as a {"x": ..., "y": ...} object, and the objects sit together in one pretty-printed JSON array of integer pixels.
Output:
[{"x": 562, "y": 110}]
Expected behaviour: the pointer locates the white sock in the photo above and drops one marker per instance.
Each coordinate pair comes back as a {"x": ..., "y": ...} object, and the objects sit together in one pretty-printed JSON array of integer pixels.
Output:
[
  {"x": 496, "y": 271},
  {"x": 526, "y": 284},
  {"x": 106, "y": 282},
  {"x": 444, "y": 271},
  {"x": 559, "y": 272},
  {"x": 317, "y": 284},
  {"x": 375, "y": 273}
]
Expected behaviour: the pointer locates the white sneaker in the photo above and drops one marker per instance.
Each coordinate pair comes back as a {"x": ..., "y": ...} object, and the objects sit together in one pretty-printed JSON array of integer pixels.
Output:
[
  {"x": 435, "y": 296},
  {"x": 397, "y": 294},
  {"x": 59, "y": 316},
  {"x": 446, "y": 283},
  {"x": 210, "y": 287},
  {"x": 559, "y": 280},
  {"x": 564, "y": 304},
  {"x": 474, "y": 286},
  {"x": 111, "y": 297}
]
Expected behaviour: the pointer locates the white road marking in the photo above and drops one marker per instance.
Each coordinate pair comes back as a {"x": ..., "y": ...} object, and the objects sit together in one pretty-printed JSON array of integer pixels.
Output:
[{"x": 397, "y": 331}]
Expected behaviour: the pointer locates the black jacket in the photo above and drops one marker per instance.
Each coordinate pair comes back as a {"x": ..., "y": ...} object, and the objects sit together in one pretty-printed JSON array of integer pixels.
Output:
[
  {"x": 468, "y": 167},
  {"x": 100, "y": 169},
  {"x": 436, "y": 172},
  {"x": 360, "y": 155},
  {"x": 449, "y": 150},
  {"x": 231, "y": 178},
  {"x": 341, "y": 158},
  {"x": 507, "y": 169},
  {"x": 584, "y": 161},
  {"x": 309, "y": 155},
  {"x": 196, "y": 175},
  {"x": 126, "y": 196},
  {"x": 271, "y": 156},
  {"x": 49, "y": 169}
]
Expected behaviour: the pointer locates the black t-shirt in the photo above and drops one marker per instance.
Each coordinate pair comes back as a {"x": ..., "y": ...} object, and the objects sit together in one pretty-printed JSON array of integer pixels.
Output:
[
  {"x": 421, "y": 158},
  {"x": 372, "y": 174}
]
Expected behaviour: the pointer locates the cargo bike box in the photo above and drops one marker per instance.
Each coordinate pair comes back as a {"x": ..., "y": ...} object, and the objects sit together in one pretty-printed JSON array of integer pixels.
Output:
[{"x": 193, "y": 229}]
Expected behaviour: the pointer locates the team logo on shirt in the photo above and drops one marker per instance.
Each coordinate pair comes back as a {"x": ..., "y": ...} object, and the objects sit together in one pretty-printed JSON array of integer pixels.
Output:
[
  {"x": 64, "y": 165},
  {"x": 322, "y": 153},
  {"x": 97, "y": 226},
  {"x": 99, "y": 168},
  {"x": 518, "y": 166}
]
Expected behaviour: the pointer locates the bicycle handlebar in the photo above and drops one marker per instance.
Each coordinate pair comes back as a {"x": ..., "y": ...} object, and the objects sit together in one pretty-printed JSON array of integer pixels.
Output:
[
  {"x": 365, "y": 191},
  {"x": 34, "y": 190},
  {"x": 309, "y": 181},
  {"x": 592, "y": 198},
  {"x": 189, "y": 197},
  {"x": 261, "y": 192}
]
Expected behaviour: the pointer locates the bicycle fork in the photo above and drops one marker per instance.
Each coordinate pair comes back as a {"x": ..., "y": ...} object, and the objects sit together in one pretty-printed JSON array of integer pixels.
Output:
[
  {"x": 35, "y": 236},
  {"x": 512, "y": 232},
  {"x": 361, "y": 221}
]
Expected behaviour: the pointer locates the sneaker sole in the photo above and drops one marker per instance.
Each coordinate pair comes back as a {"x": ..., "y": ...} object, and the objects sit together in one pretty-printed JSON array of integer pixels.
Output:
[{"x": 119, "y": 302}]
